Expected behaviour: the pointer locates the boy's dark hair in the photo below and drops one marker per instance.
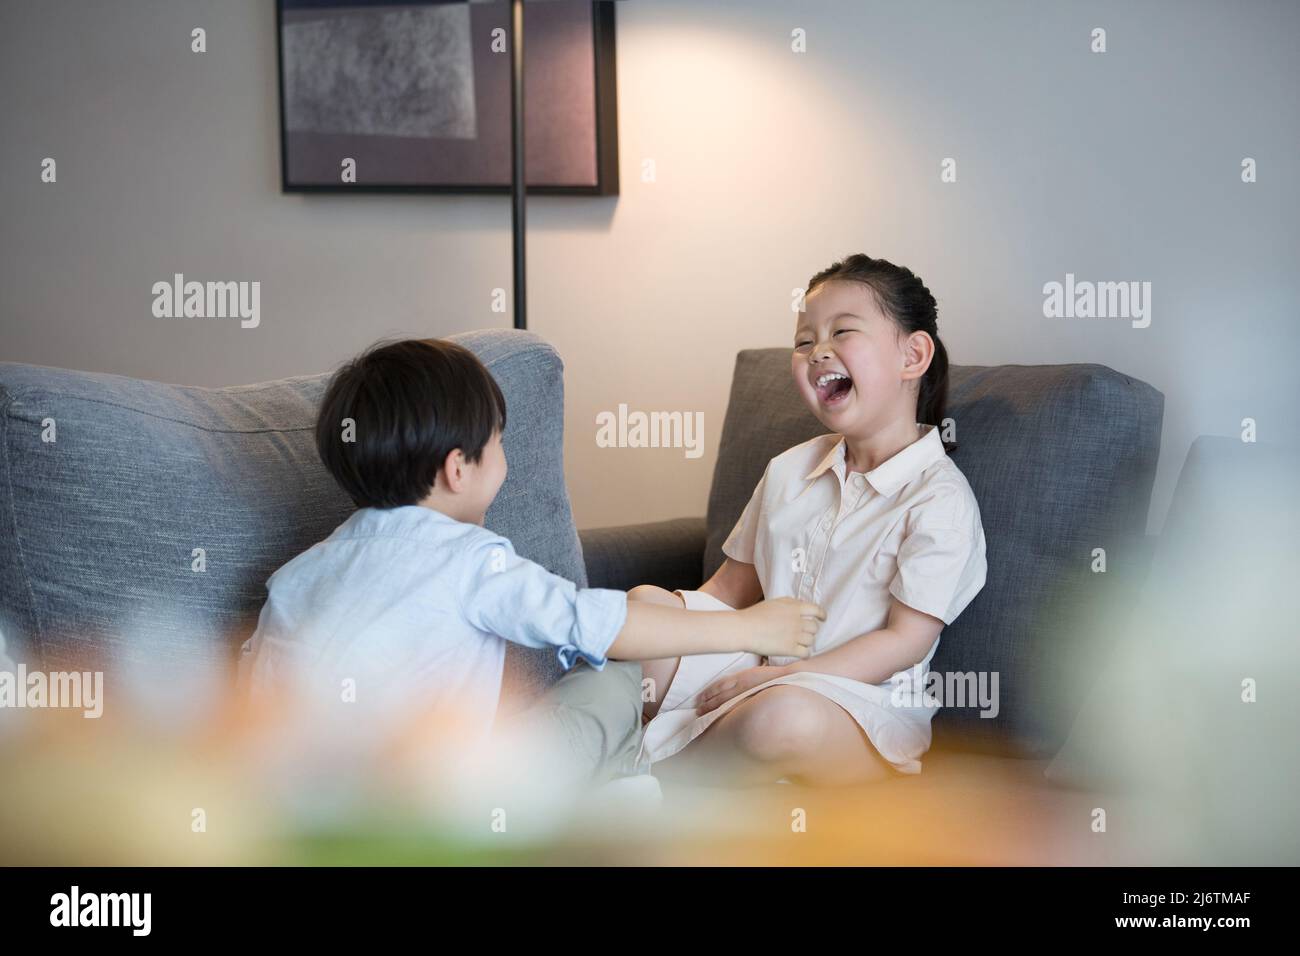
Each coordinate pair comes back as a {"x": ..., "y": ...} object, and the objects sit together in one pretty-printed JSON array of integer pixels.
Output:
[
  {"x": 410, "y": 403},
  {"x": 903, "y": 297}
]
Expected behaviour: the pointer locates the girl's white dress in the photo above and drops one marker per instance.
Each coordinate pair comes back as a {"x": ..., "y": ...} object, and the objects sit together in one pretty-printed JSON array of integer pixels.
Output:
[{"x": 909, "y": 529}]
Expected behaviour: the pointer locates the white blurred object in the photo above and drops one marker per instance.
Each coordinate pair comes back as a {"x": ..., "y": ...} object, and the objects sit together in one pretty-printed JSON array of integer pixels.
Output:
[
  {"x": 635, "y": 794},
  {"x": 525, "y": 787},
  {"x": 174, "y": 678},
  {"x": 1189, "y": 771}
]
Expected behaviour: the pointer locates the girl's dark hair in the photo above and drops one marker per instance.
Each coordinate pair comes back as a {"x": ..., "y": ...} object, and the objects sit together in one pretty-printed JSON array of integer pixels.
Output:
[
  {"x": 409, "y": 403},
  {"x": 903, "y": 297}
]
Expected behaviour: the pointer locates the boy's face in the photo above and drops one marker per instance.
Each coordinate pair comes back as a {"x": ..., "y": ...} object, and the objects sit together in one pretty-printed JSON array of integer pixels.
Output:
[
  {"x": 485, "y": 477},
  {"x": 842, "y": 332}
]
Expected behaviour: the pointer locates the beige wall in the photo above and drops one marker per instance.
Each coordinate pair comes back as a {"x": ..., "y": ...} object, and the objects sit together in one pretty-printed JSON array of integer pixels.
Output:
[{"x": 769, "y": 164}]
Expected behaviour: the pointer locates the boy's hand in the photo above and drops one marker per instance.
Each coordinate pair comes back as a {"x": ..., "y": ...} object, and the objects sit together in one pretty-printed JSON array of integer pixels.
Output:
[{"x": 781, "y": 627}]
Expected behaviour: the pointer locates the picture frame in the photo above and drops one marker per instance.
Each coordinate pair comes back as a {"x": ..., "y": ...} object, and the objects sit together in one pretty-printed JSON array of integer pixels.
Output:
[{"x": 417, "y": 95}]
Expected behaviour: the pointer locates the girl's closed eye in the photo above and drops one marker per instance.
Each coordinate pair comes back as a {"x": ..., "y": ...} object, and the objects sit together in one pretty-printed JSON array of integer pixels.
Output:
[{"x": 804, "y": 343}]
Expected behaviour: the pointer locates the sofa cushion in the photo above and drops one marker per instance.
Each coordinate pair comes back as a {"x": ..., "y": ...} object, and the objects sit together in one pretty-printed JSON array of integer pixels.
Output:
[
  {"x": 99, "y": 527},
  {"x": 1061, "y": 459}
]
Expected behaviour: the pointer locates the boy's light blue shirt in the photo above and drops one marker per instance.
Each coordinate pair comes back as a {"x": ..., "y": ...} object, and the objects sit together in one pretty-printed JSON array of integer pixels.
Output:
[{"x": 414, "y": 608}]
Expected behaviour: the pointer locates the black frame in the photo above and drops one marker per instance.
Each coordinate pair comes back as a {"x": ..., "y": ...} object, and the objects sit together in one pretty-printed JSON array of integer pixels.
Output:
[{"x": 602, "y": 23}]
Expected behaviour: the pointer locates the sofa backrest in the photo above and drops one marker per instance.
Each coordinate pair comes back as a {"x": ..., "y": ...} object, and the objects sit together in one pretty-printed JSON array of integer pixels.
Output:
[
  {"x": 140, "y": 521},
  {"x": 1061, "y": 459}
]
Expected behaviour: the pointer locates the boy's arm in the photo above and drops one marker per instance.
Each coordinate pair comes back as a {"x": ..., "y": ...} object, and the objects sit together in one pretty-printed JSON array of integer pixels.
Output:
[
  {"x": 520, "y": 601},
  {"x": 656, "y": 630}
]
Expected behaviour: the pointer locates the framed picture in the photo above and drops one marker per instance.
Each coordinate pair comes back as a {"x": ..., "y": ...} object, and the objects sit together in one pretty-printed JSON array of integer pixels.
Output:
[{"x": 415, "y": 96}]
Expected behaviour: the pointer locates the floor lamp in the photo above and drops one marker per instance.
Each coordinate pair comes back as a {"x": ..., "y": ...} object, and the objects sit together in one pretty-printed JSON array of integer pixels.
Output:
[{"x": 517, "y": 186}]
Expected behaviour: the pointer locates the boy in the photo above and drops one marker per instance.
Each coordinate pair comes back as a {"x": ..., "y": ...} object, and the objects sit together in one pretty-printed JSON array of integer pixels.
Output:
[{"x": 412, "y": 601}]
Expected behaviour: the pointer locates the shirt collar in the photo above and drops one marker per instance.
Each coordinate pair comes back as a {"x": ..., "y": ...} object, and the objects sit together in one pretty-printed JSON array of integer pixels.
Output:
[
  {"x": 404, "y": 521},
  {"x": 890, "y": 475}
]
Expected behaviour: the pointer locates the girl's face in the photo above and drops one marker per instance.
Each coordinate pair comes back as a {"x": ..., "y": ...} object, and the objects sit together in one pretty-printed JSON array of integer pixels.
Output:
[{"x": 849, "y": 360}]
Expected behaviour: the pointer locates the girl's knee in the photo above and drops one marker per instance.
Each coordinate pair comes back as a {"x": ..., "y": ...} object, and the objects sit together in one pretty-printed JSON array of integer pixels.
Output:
[
  {"x": 778, "y": 724},
  {"x": 652, "y": 594}
]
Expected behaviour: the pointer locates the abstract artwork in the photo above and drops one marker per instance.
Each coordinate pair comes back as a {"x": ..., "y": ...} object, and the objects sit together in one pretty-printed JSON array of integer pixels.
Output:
[{"x": 416, "y": 96}]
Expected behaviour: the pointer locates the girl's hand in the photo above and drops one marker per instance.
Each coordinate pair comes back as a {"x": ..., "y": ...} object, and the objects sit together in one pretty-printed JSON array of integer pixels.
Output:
[{"x": 725, "y": 688}]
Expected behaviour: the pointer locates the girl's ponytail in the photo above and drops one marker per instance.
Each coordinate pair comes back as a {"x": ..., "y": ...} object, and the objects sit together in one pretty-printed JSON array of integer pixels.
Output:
[{"x": 933, "y": 400}]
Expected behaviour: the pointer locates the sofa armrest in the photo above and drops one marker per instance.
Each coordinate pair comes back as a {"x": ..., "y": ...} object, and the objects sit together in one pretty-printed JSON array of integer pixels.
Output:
[{"x": 667, "y": 553}]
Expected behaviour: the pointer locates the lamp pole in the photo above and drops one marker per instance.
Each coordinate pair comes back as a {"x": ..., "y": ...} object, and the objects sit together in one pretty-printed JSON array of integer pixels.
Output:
[{"x": 517, "y": 185}]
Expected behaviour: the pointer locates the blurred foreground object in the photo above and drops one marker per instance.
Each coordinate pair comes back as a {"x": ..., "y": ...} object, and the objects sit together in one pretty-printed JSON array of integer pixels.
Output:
[{"x": 1195, "y": 717}]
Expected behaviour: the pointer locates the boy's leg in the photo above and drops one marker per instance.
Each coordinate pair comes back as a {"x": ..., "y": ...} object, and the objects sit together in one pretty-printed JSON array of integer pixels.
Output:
[
  {"x": 659, "y": 672},
  {"x": 592, "y": 718}
]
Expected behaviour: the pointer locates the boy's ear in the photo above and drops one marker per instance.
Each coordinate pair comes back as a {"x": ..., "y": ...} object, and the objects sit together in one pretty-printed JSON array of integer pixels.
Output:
[{"x": 453, "y": 470}]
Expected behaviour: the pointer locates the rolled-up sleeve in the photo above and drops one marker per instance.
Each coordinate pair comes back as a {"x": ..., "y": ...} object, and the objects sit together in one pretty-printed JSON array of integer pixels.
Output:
[{"x": 522, "y": 602}]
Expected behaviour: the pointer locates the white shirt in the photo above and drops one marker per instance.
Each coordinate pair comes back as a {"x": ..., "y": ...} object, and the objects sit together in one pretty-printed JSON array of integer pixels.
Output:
[
  {"x": 414, "y": 608},
  {"x": 909, "y": 528},
  {"x": 851, "y": 542}
]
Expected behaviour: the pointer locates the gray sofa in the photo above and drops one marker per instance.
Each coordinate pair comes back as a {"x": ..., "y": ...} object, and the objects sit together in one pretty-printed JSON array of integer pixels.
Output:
[{"x": 139, "y": 521}]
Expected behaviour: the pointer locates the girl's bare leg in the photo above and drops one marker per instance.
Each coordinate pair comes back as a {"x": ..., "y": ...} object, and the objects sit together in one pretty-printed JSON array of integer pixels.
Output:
[
  {"x": 782, "y": 731},
  {"x": 660, "y": 672}
]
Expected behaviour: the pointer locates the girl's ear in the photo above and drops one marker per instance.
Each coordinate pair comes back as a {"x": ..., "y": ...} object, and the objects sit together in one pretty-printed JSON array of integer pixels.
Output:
[{"x": 918, "y": 352}]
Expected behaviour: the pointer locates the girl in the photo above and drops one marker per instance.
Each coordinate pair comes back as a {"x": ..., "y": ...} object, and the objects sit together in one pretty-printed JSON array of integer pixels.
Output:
[{"x": 873, "y": 522}]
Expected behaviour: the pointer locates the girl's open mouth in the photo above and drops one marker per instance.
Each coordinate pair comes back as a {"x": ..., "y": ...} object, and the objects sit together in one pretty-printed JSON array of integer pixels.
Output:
[{"x": 833, "y": 388}]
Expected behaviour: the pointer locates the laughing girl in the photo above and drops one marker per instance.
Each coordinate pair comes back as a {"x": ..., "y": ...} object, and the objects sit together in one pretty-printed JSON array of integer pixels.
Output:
[{"x": 873, "y": 522}]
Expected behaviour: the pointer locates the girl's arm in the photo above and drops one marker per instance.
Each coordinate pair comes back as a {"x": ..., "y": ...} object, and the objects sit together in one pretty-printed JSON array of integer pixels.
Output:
[
  {"x": 735, "y": 583},
  {"x": 876, "y": 656}
]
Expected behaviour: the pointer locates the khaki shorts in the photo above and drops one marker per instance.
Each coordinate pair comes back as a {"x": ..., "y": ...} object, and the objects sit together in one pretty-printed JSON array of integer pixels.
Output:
[{"x": 593, "y": 717}]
